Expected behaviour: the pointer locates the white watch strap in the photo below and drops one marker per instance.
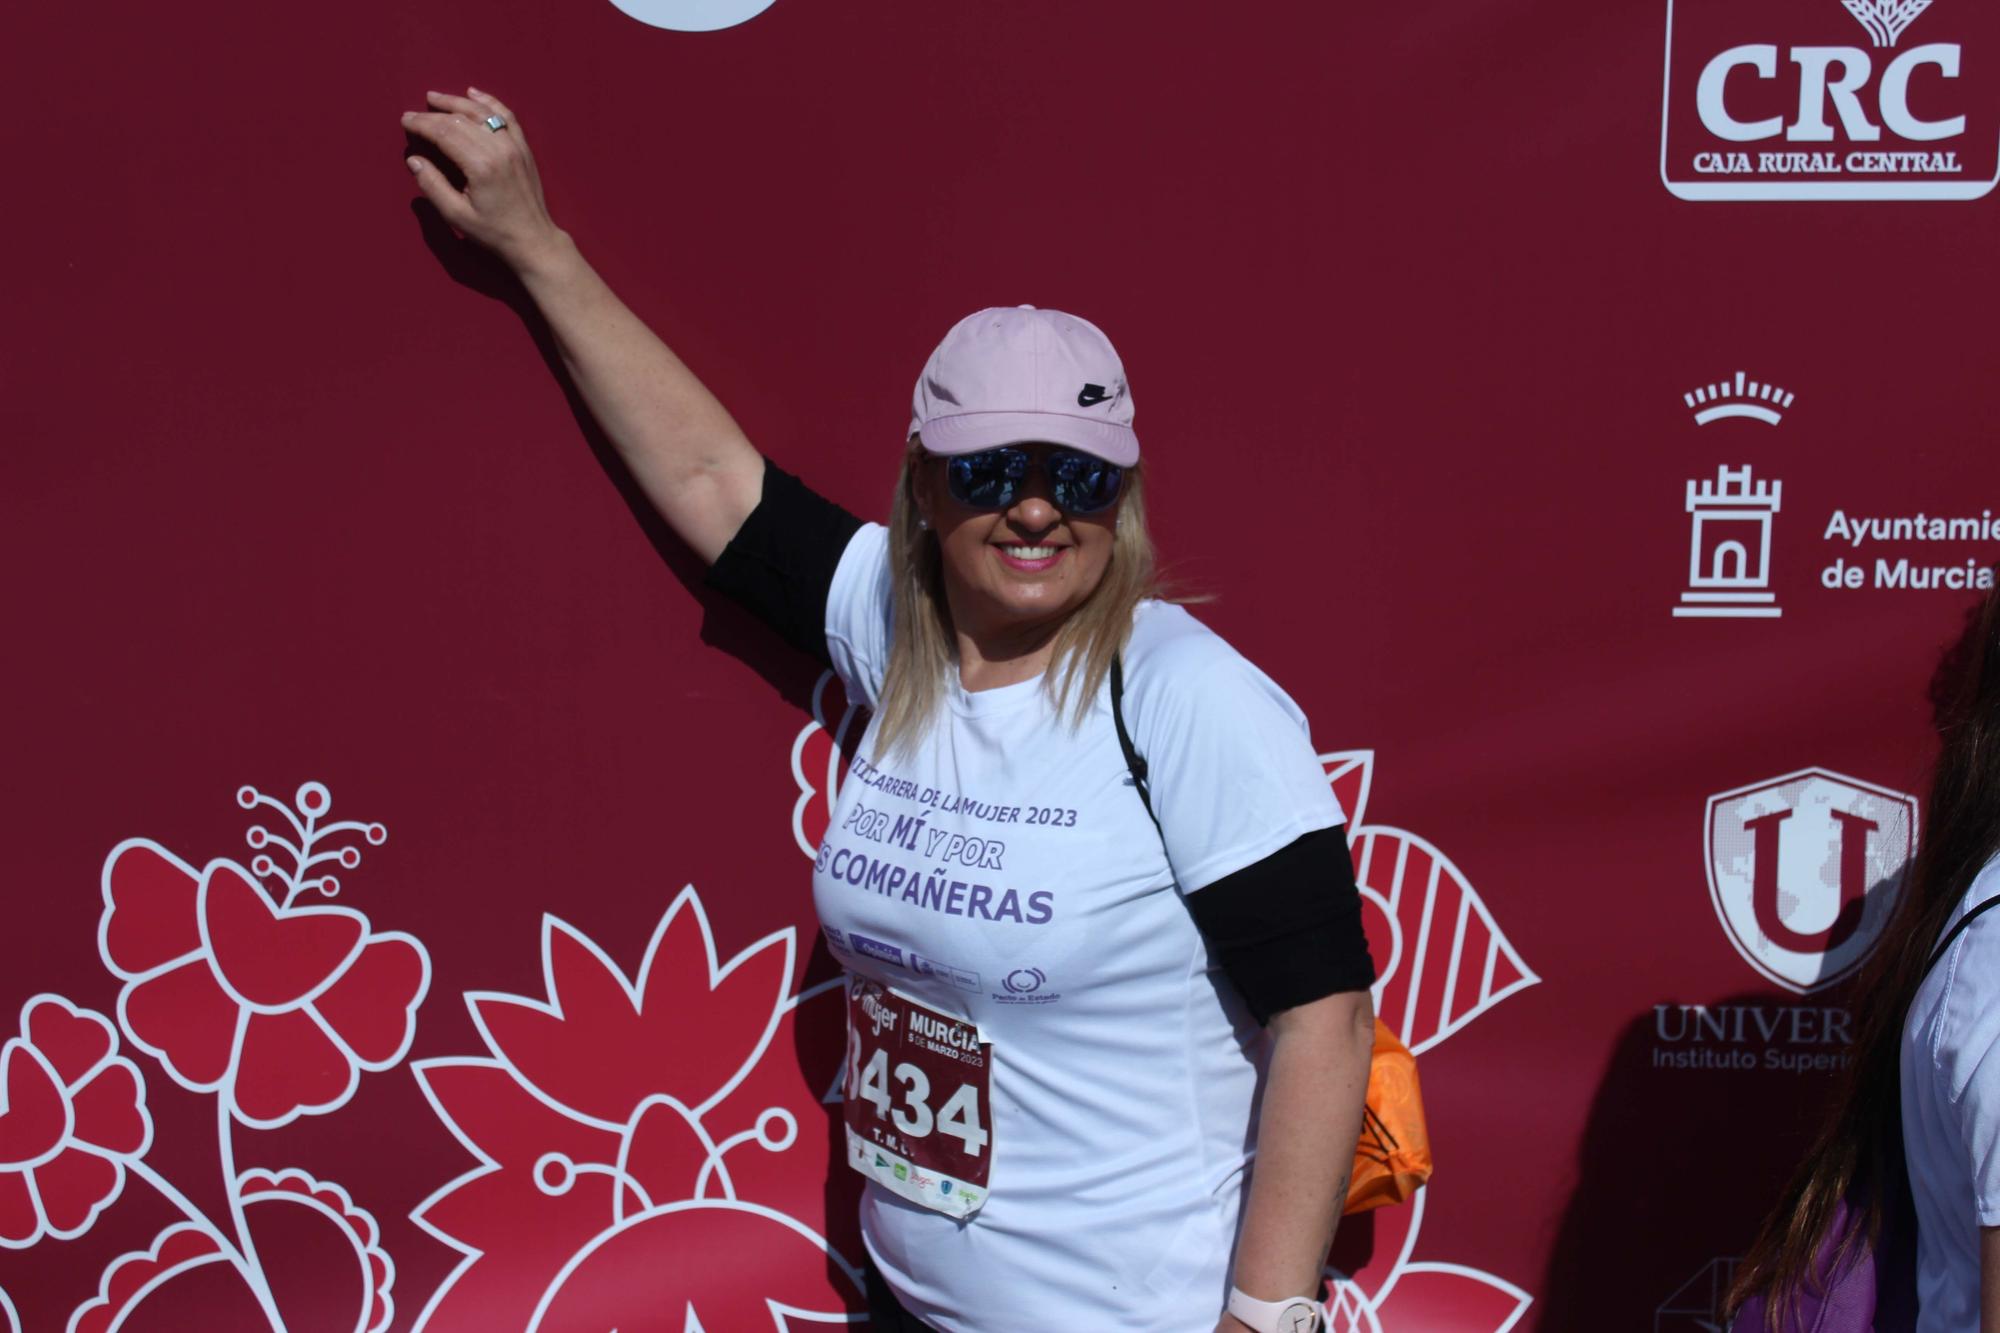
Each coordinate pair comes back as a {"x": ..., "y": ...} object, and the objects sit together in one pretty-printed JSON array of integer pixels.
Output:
[{"x": 1299, "y": 1314}]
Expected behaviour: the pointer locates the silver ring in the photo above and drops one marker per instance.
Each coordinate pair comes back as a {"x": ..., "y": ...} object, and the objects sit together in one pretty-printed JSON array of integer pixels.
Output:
[{"x": 496, "y": 123}]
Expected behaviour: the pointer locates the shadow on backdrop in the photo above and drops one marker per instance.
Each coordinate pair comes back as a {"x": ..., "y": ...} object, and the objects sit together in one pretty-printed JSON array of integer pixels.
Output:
[
  {"x": 1678, "y": 1165},
  {"x": 725, "y": 626},
  {"x": 819, "y": 1034}
]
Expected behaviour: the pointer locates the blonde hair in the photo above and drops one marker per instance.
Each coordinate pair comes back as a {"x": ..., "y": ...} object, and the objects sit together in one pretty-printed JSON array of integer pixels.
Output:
[{"x": 923, "y": 646}]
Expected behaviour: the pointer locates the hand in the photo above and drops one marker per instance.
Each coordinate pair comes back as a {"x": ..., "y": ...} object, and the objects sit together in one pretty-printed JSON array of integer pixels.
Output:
[{"x": 501, "y": 206}]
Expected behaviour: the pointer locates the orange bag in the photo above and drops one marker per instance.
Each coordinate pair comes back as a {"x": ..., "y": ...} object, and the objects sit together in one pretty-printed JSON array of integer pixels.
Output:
[{"x": 1392, "y": 1160}]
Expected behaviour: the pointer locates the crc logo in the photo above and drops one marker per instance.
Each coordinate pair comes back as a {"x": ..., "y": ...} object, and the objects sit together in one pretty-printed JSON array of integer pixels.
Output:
[
  {"x": 1804, "y": 870},
  {"x": 1778, "y": 99}
]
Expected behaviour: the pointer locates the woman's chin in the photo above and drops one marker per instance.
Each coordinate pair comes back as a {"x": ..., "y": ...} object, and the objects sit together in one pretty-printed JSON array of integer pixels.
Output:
[{"x": 1012, "y": 610}]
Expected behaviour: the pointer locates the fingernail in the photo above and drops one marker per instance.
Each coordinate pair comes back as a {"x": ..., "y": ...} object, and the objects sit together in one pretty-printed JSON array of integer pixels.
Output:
[
  {"x": 409, "y": 115},
  {"x": 416, "y": 164},
  {"x": 469, "y": 88}
]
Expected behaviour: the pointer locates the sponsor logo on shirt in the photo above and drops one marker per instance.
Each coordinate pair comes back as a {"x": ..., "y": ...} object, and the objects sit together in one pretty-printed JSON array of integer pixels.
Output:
[
  {"x": 834, "y": 937},
  {"x": 873, "y": 948},
  {"x": 1025, "y": 985},
  {"x": 957, "y": 976}
]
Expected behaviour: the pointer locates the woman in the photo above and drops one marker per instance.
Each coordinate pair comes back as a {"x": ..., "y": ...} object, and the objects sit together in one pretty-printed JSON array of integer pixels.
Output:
[
  {"x": 1054, "y": 1058},
  {"x": 1917, "y": 1120}
]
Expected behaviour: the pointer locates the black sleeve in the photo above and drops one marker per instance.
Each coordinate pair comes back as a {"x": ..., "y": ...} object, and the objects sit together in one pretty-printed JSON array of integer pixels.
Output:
[
  {"x": 1288, "y": 928},
  {"x": 781, "y": 562}
]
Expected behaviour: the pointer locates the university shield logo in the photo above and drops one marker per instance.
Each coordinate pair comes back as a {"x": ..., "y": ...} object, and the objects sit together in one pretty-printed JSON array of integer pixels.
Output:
[{"x": 1804, "y": 871}]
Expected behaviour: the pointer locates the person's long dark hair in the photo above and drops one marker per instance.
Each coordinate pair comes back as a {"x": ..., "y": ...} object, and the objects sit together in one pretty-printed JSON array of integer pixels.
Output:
[{"x": 1858, "y": 1155}]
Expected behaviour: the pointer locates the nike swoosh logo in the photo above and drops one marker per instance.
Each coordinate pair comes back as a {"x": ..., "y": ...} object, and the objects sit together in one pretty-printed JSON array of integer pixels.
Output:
[{"x": 1091, "y": 394}]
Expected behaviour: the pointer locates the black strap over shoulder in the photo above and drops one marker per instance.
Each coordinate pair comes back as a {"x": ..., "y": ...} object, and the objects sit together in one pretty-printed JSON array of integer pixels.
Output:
[
  {"x": 1287, "y": 929},
  {"x": 1943, "y": 944},
  {"x": 1134, "y": 761}
]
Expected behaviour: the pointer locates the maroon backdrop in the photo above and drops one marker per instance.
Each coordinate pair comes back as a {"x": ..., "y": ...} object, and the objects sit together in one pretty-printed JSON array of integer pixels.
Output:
[{"x": 1436, "y": 313}]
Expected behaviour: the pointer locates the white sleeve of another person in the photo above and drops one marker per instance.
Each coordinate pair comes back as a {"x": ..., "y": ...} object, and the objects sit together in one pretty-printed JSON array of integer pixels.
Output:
[{"x": 1968, "y": 1059}]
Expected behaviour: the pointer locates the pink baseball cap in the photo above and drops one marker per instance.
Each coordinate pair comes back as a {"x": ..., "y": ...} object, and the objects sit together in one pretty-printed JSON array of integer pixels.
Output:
[{"x": 1014, "y": 374}]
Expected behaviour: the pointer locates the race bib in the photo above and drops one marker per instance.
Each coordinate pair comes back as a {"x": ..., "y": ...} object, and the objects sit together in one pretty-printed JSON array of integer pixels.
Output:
[{"x": 916, "y": 1100}]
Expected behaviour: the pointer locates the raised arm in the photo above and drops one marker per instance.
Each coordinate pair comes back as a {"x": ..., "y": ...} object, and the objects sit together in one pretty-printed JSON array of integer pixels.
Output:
[{"x": 693, "y": 461}]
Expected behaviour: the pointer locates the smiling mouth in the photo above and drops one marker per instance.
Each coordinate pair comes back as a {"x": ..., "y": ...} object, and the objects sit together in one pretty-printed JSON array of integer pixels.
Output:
[{"x": 1029, "y": 559}]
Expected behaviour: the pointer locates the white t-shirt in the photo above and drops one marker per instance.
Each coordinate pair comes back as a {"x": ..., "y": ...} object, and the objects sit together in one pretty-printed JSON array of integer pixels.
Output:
[
  {"x": 1125, "y": 1066},
  {"x": 1951, "y": 1113}
]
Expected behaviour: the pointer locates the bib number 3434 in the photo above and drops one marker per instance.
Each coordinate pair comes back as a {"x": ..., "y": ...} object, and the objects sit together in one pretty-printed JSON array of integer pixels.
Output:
[{"x": 916, "y": 1100}]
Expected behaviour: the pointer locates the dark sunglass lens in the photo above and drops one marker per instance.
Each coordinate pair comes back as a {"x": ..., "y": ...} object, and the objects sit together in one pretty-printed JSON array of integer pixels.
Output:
[
  {"x": 986, "y": 480},
  {"x": 1083, "y": 484}
]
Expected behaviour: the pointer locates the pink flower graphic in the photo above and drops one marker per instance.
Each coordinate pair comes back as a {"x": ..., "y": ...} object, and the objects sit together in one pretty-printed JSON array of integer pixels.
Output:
[
  {"x": 622, "y": 1125},
  {"x": 279, "y": 1006},
  {"x": 72, "y": 1115}
]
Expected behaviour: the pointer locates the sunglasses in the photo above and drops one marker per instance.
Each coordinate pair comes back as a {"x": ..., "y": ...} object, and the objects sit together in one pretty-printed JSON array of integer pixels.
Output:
[{"x": 1079, "y": 483}]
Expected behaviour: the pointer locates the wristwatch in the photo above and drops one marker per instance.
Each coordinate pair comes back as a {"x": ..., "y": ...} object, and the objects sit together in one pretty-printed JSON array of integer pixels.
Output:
[{"x": 1300, "y": 1314}]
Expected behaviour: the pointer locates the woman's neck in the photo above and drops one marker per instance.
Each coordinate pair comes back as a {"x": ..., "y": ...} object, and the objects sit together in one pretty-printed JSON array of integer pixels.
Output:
[{"x": 987, "y": 661}]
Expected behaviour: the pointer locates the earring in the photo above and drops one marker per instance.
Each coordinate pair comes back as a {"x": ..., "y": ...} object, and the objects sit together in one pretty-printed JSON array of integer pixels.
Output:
[{"x": 923, "y": 525}]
